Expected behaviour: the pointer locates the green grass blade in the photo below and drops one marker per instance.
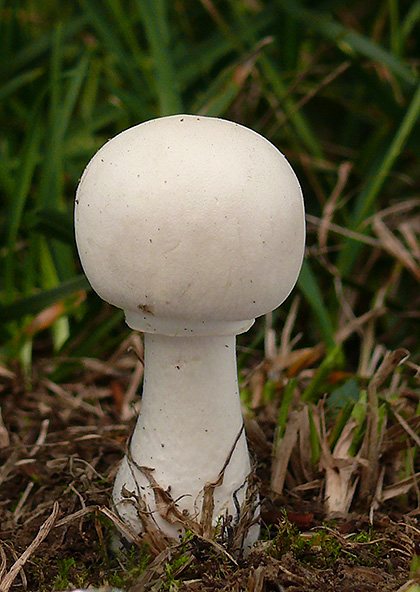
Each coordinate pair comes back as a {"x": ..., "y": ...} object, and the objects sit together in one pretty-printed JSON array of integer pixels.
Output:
[
  {"x": 110, "y": 38},
  {"x": 54, "y": 224},
  {"x": 367, "y": 198},
  {"x": 100, "y": 338},
  {"x": 72, "y": 93},
  {"x": 125, "y": 24},
  {"x": 61, "y": 111},
  {"x": 274, "y": 77},
  {"x": 19, "y": 82},
  {"x": 7, "y": 183},
  {"x": 340, "y": 423},
  {"x": 36, "y": 48},
  {"x": 34, "y": 304},
  {"x": 315, "y": 444},
  {"x": 347, "y": 40},
  {"x": 209, "y": 52},
  {"x": 219, "y": 95},
  {"x": 395, "y": 27},
  {"x": 312, "y": 392},
  {"x": 51, "y": 173},
  {"x": 310, "y": 289},
  {"x": 155, "y": 19},
  {"x": 411, "y": 19},
  {"x": 65, "y": 91},
  {"x": 17, "y": 206},
  {"x": 63, "y": 98},
  {"x": 289, "y": 391},
  {"x": 297, "y": 119},
  {"x": 50, "y": 279}
]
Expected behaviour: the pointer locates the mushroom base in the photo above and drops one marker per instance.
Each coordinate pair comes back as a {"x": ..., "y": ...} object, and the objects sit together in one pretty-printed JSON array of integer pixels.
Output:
[{"x": 188, "y": 465}]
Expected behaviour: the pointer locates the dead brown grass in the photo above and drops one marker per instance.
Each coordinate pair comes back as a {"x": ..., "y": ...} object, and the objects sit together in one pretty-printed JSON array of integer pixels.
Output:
[{"x": 61, "y": 445}]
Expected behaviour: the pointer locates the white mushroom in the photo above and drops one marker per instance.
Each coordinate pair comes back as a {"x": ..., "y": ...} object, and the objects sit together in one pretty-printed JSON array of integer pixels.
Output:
[{"x": 194, "y": 226}]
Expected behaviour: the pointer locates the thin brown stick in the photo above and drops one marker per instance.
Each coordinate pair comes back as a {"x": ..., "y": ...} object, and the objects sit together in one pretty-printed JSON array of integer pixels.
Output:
[
  {"x": 343, "y": 174},
  {"x": 357, "y": 236},
  {"x": 411, "y": 239},
  {"x": 43, "y": 532},
  {"x": 41, "y": 437},
  {"x": 122, "y": 526},
  {"x": 407, "y": 428},
  {"x": 19, "y": 508},
  {"x": 4, "y": 434},
  {"x": 370, "y": 474},
  {"x": 3, "y": 564},
  {"x": 127, "y": 411},
  {"x": 76, "y": 515},
  {"x": 310, "y": 95},
  {"x": 285, "y": 339},
  {"x": 395, "y": 247},
  {"x": 208, "y": 497}
]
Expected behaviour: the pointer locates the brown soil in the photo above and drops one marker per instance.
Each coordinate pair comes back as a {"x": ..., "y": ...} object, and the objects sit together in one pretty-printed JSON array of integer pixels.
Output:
[{"x": 59, "y": 449}]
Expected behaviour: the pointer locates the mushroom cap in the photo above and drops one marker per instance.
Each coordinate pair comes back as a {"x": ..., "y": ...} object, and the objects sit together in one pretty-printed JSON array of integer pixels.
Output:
[{"x": 190, "y": 224}]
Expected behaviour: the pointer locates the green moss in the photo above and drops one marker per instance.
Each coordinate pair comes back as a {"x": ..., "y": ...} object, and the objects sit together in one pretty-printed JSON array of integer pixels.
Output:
[
  {"x": 128, "y": 566},
  {"x": 322, "y": 549}
]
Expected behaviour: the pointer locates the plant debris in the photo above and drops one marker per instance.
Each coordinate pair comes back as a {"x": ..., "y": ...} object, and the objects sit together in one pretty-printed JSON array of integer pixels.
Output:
[{"x": 59, "y": 531}]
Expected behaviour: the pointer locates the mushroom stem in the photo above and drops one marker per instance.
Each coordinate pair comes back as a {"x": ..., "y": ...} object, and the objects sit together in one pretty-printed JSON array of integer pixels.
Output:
[{"x": 194, "y": 378}]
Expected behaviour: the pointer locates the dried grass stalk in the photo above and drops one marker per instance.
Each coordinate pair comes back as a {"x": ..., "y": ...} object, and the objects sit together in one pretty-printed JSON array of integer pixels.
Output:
[
  {"x": 283, "y": 451},
  {"x": 43, "y": 532}
]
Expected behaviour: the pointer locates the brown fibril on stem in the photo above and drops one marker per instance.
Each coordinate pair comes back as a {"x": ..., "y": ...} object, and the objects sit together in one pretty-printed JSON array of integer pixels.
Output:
[{"x": 231, "y": 532}]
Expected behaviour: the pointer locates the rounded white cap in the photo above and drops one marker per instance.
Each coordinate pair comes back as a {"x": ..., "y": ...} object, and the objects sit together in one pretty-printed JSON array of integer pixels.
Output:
[{"x": 192, "y": 225}]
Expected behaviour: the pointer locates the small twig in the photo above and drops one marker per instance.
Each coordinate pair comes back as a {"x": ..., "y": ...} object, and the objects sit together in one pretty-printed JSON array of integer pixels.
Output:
[
  {"x": 291, "y": 574},
  {"x": 4, "y": 434},
  {"x": 126, "y": 409},
  {"x": 394, "y": 247},
  {"x": 411, "y": 239},
  {"x": 285, "y": 340},
  {"x": 76, "y": 515},
  {"x": 270, "y": 351},
  {"x": 400, "y": 207},
  {"x": 284, "y": 117},
  {"x": 82, "y": 503},
  {"x": 356, "y": 323},
  {"x": 208, "y": 497},
  {"x": 218, "y": 547},
  {"x": 43, "y": 532},
  {"x": 343, "y": 174},
  {"x": 407, "y": 428},
  {"x": 85, "y": 462},
  {"x": 9, "y": 466},
  {"x": 75, "y": 402},
  {"x": 357, "y": 236},
  {"x": 41, "y": 437},
  {"x": 6, "y": 373},
  {"x": 37, "y": 512},
  {"x": 122, "y": 526},
  {"x": 18, "y": 510},
  {"x": 3, "y": 564},
  {"x": 413, "y": 474}
]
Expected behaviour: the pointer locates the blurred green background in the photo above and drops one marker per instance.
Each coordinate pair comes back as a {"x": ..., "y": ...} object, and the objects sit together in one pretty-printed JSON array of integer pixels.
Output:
[{"x": 333, "y": 84}]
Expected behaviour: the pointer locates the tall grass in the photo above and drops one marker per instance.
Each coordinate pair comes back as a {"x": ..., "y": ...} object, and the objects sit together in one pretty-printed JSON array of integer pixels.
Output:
[{"x": 326, "y": 82}]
